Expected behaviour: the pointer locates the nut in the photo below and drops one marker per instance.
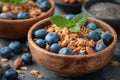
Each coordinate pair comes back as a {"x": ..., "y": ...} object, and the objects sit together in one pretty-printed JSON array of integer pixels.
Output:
[
  {"x": 19, "y": 71},
  {"x": 33, "y": 72},
  {"x": 115, "y": 64},
  {"x": 18, "y": 63},
  {"x": 39, "y": 76},
  {"x": 24, "y": 68},
  {"x": 90, "y": 50},
  {"x": 36, "y": 73},
  {"x": 4, "y": 60}
]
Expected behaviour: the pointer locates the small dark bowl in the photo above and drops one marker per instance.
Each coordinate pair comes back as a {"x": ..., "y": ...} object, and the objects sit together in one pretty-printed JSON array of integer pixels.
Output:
[
  {"x": 69, "y": 8},
  {"x": 115, "y": 23}
]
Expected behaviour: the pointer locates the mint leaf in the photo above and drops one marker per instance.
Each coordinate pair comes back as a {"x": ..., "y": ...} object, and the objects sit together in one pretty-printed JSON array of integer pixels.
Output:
[
  {"x": 70, "y": 23},
  {"x": 81, "y": 18},
  {"x": 60, "y": 21},
  {"x": 17, "y": 2},
  {"x": 75, "y": 28}
]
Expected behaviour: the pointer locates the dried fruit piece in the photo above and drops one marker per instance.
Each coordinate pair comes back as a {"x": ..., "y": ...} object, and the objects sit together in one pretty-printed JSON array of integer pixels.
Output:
[{"x": 18, "y": 63}]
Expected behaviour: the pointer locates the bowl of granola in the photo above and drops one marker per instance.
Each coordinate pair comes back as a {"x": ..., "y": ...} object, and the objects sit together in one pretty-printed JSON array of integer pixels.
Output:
[
  {"x": 15, "y": 20},
  {"x": 85, "y": 46}
]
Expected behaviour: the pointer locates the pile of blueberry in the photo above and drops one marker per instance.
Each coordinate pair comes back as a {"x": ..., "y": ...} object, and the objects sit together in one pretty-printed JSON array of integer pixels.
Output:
[
  {"x": 52, "y": 38},
  {"x": 97, "y": 34},
  {"x": 15, "y": 47},
  {"x": 44, "y": 6}
]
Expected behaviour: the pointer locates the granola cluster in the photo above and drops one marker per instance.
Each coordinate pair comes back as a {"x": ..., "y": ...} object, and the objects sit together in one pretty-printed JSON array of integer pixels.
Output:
[{"x": 77, "y": 42}]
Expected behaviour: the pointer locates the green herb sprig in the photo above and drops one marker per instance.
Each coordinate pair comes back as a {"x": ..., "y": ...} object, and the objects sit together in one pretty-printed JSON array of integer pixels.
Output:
[
  {"x": 17, "y": 2},
  {"x": 73, "y": 25}
]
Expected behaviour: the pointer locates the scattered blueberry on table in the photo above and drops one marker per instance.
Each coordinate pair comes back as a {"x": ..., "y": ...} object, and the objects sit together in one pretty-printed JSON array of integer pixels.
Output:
[
  {"x": 15, "y": 46},
  {"x": 27, "y": 57},
  {"x": 5, "y": 52},
  {"x": 11, "y": 74}
]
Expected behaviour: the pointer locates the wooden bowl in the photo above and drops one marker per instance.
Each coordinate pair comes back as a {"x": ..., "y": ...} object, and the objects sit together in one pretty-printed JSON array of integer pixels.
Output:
[
  {"x": 16, "y": 29},
  {"x": 72, "y": 65}
]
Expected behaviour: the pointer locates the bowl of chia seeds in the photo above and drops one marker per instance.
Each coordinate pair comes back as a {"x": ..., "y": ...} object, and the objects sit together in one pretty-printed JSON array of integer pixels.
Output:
[{"x": 106, "y": 10}]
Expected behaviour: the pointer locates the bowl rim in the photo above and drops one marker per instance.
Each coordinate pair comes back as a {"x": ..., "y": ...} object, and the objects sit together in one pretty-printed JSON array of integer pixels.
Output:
[
  {"x": 84, "y": 9},
  {"x": 33, "y": 28},
  {"x": 31, "y": 19},
  {"x": 68, "y": 4}
]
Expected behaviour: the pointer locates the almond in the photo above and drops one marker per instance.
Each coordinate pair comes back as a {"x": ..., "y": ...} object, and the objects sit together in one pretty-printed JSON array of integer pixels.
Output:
[
  {"x": 90, "y": 50},
  {"x": 18, "y": 63}
]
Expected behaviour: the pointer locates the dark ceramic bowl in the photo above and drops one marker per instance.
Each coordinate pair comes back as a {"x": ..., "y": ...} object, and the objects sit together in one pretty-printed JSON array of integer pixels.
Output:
[
  {"x": 17, "y": 29},
  {"x": 71, "y": 65},
  {"x": 115, "y": 23},
  {"x": 69, "y": 8}
]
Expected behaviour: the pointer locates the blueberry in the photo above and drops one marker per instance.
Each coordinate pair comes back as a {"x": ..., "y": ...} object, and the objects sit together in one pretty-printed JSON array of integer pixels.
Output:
[
  {"x": 55, "y": 47},
  {"x": 0, "y": 9},
  {"x": 5, "y": 52},
  {"x": 10, "y": 74},
  {"x": 99, "y": 30},
  {"x": 41, "y": 43},
  {"x": 23, "y": 15},
  {"x": 65, "y": 51},
  {"x": 5, "y": 16},
  {"x": 27, "y": 58},
  {"x": 40, "y": 34},
  {"x": 100, "y": 46},
  {"x": 92, "y": 26},
  {"x": 69, "y": 17},
  {"x": 45, "y": 6},
  {"x": 15, "y": 46},
  {"x": 107, "y": 38},
  {"x": 39, "y": 1},
  {"x": 51, "y": 38},
  {"x": 94, "y": 35}
]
